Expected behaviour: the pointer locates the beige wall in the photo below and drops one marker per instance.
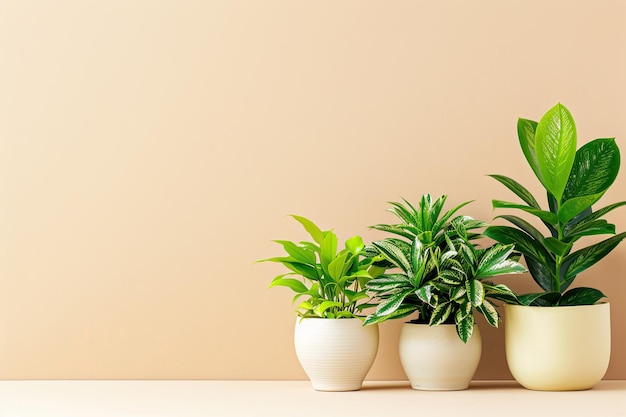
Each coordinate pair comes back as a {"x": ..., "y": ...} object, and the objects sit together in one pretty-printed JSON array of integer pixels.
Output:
[{"x": 149, "y": 151}]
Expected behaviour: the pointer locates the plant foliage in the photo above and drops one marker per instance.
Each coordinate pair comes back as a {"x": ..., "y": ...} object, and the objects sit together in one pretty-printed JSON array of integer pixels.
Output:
[
  {"x": 574, "y": 180},
  {"x": 436, "y": 270},
  {"x": 329, "y": 283}
]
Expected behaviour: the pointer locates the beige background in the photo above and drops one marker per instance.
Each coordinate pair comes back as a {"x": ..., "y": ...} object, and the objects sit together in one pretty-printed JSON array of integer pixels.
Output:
[{"x": 150, "y": 150}]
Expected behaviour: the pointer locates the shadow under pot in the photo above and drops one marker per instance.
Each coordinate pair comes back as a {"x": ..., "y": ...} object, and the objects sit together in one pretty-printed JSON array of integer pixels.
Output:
[
  {"x": 435, "y": 359},
  {"x": 558, "y": 348},
  {"x": 336, "y": 354}
]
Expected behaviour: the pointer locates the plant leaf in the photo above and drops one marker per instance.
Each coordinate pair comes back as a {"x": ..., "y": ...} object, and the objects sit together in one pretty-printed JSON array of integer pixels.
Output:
[
  {"x": 294, "y": 284},
  {"x": 556, "y": 246},
  {"x": 311, "y": 228},
  {"x": 321, "y": 308},
  {"x": 336, "y": 267},
  {"x": 489, "y": 311},
  {"x": 355, "y": 245},
  {"x": 525, "y": 226},
  {"x": 518, "y": 189},
  {"x": 546, "y": 216},
  {"x": 594, "y": 170},
  {"x": 540, "y": 299},
  {"x": 526, "y": 134},
  {"x": 495, "y": 261},
  {"x": 402, "y": 311},
  {"x": 465, "y": 328},
  {"x": 523, "y": 242},
  {"x": 581, "y": 296},
  {"x": 576, "y": 205},
  {"x": 542, "y": 273},
  {"x": 475, "y": 292},
  {"x": 395, "y": 255},
  {"x": 298, "y": 253},
  {"x": 586, "y": 257},
  {"x": 391, "y": 304},
  {"x": 440, "y": 314},
  {"x": 555, "y": 141},
  {"x": 328, "y": 250}
]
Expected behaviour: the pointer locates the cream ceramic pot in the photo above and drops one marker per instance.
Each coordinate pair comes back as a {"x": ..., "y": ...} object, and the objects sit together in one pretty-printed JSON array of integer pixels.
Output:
[
  {"x": 558, "y": 348},
  {"x": 435, "y": 359},
  {"x": 336, "y": 354}
]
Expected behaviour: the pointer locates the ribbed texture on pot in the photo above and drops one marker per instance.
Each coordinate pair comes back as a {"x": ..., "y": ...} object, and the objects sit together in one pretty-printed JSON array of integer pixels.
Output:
[{"x": 336, "y": 354}]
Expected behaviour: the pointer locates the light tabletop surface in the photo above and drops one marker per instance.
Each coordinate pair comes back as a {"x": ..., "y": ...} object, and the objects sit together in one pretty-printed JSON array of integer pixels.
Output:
[{"x": 297, "y": 399}]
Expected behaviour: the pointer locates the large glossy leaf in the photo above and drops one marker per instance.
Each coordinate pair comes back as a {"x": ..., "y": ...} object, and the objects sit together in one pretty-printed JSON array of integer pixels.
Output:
[
  {"x": 576, "y": 205},
  {"x": 495, "y": 261},
  {"x": 581, "y": 296},
  {"x": 542, "y": 273},
  {"x": 518, "y": 189},
  {"x": 540, "y": 299},
  {"x": 555, "y": 141},
  {"x": 523, "y": 242},
  {"x": 546, "y": 216},
  {"x": 589, "y": 256},
  {"x": 311, "y": 228},
  {"x": 595, "y": 168}
]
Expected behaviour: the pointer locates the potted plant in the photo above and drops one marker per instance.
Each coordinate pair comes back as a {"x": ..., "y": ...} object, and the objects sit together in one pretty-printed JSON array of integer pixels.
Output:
[
  {"x": 439, "y": 273},
  {"x": 332, "y": 345},
  {"x": 559, "y": 338}
]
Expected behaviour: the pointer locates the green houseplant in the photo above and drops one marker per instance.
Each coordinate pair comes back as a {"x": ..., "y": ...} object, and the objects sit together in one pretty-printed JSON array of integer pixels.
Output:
[
  {"x": 574, "y": 180},
  {"x": 332, "y": 345},
  {"x": 438, "y": 271}
]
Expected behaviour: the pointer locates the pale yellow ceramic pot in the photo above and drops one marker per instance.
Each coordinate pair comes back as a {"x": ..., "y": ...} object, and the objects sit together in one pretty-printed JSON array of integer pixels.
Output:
[
  {"x": 558, "y": 348},
  {"x": 435, "y": 359}
]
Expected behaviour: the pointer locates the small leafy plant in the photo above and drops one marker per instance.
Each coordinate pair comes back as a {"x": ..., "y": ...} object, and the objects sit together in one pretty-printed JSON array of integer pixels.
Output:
[
  {"x": 332, "y": 282},
  {"x": 574, "y": 180},
  {"x": 436, "y": 269}
]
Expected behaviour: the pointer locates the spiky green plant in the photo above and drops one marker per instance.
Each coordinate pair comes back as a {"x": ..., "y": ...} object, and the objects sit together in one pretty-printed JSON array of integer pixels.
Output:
[
  {"x": 332, "y": 282},
  {"x": 437, "y": 270},
  {"x": 574, "y": 180}
]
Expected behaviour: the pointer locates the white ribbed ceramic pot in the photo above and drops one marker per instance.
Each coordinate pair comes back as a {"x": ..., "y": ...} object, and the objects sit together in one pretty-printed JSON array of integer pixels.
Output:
[
  {"x": 435, "y": 359},
  {"x": 558, "y": 348},
  {"x": 336, "y": 354}
]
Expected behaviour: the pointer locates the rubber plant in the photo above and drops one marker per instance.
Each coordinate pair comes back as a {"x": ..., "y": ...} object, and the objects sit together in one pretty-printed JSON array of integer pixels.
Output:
[
  {"x": 436, "y": 270},
  {"x": 330, "y": 281},
  {"x": 574, "y": 180}
]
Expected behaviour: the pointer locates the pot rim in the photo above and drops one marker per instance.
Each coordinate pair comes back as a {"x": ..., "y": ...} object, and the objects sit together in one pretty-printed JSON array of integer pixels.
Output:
[{"x": 597, "y": 305}]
